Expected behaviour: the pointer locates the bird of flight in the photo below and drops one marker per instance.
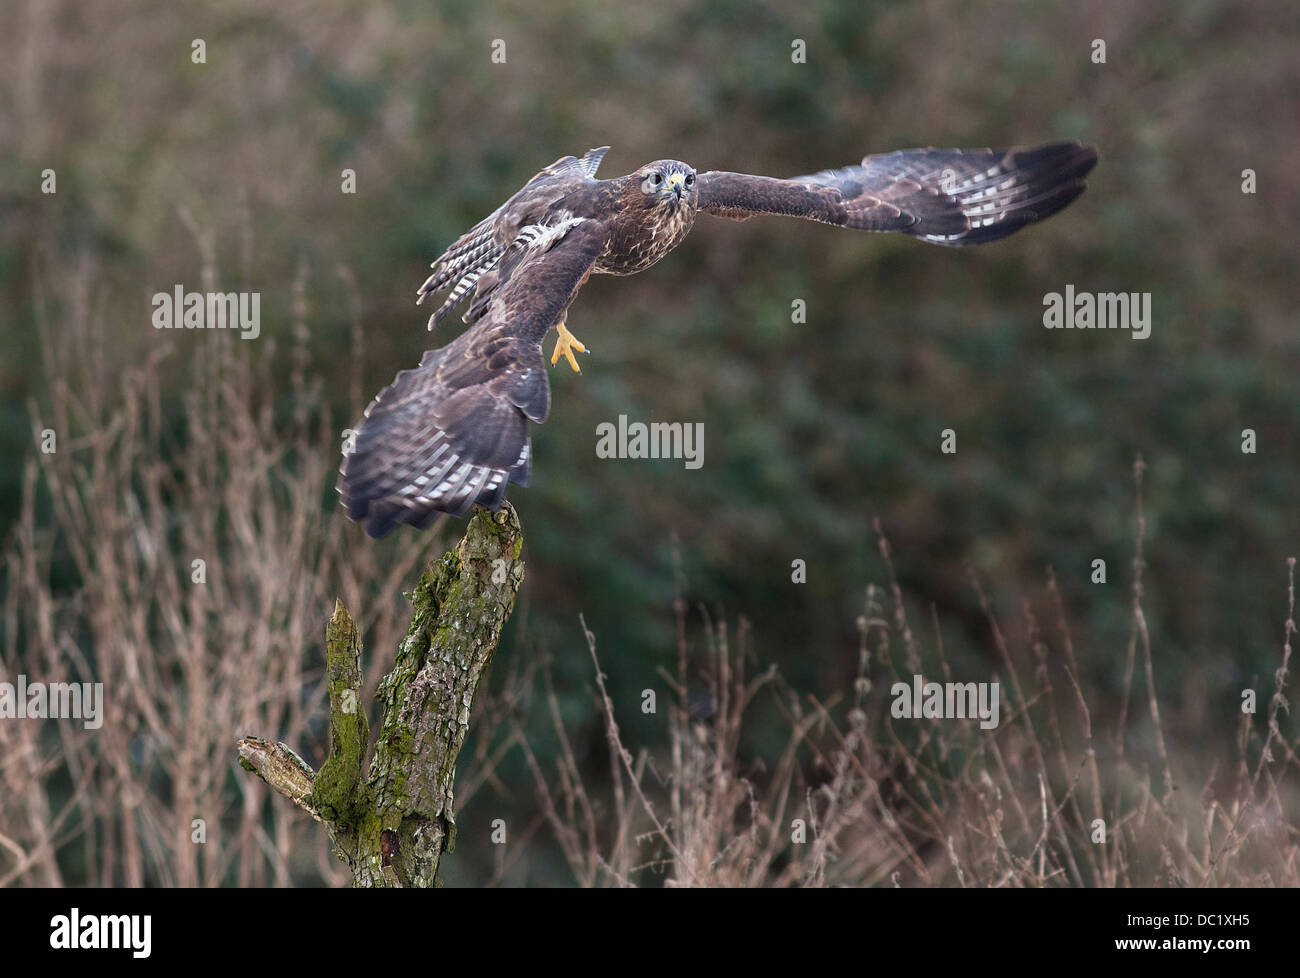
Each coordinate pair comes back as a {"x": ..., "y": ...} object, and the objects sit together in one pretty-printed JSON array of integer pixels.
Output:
[{"x": 453, "y": 431}]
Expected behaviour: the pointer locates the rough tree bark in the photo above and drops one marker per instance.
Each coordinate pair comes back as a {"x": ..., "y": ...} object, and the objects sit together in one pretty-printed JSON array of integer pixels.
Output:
[{"x": 392, "y": 821}]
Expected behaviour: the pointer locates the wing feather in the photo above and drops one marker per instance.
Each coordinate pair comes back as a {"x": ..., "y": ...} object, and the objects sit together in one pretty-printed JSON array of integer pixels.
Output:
[
  {"x": 945, "y": 196},
  {"x": 453, "y": 431}
]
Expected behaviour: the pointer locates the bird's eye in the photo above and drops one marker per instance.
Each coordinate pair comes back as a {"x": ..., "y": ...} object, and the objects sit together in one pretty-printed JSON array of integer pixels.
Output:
[
  {"x": 690, "y": 179},
  {"x": 656, "y": 178}
]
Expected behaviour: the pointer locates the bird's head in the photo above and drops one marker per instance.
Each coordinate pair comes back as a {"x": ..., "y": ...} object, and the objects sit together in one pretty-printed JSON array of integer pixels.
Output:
[{"x": 668, "y": 183}]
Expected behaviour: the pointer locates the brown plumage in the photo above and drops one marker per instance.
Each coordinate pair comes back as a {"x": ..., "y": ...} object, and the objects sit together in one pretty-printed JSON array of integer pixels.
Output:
[{"x": 453, "y": 431}]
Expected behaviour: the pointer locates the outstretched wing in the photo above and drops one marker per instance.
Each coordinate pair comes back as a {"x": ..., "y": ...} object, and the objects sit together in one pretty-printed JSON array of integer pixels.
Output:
[
  {"x": 454, "y": 430},
  {"x": 479, "y": 249},
  {"x": 946, "y": 196}
]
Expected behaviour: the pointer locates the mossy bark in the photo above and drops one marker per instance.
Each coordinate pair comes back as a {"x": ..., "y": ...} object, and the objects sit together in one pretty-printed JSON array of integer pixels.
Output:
[{"x": 392, "y": 824}]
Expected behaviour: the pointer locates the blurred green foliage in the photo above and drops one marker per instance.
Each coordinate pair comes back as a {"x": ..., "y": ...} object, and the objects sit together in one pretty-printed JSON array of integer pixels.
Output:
[{"x": 811, "y": 431}]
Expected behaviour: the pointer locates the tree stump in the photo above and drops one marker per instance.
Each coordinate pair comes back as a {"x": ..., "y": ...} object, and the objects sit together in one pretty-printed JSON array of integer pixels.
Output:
[{"x": 392, "y": 821}]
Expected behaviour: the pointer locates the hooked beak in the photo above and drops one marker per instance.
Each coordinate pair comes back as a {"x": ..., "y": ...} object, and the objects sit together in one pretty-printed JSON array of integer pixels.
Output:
[{"x": 677, "y": 184}]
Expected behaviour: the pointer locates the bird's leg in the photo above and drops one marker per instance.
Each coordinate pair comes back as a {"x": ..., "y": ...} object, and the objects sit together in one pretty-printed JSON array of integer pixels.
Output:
[{"x": 565, "y": 344}]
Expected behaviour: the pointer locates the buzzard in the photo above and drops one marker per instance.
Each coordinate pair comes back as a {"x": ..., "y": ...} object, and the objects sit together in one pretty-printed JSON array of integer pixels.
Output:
[{"x": 453, "y": 431}]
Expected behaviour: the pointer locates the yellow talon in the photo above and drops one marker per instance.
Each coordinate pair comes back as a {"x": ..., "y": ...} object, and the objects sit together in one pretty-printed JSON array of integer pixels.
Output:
[{"x": 565, "y": 344}]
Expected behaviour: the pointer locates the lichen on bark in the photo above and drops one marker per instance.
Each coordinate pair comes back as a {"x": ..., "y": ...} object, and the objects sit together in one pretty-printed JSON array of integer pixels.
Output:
[
  {"x": 392, "y": 823},
  {"x": 335, "y": 788}
]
